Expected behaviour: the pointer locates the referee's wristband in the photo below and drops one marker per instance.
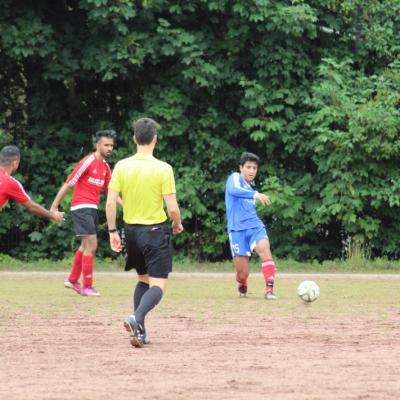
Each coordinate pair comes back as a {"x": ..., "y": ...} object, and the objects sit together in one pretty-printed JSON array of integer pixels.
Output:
[{"x": 112, "y": 230}]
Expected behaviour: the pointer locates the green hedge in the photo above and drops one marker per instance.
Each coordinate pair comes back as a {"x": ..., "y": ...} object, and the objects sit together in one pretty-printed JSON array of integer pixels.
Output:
[{"x": 313, "y": 87}]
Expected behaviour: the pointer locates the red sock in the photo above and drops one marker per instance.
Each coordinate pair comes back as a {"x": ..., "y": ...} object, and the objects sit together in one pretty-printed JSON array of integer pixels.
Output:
[
  {"x": 76, "y": 267},
  {"x": 242, "y": 282},
  {"x": 268, "y": 270},
  {"x": 87, "y": 270}
]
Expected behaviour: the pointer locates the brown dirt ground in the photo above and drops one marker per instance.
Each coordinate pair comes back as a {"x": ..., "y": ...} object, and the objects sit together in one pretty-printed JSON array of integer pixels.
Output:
[{"x": 221, "y": 357}]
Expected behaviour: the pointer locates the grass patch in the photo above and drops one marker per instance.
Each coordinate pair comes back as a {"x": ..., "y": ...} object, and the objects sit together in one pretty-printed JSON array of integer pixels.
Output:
[{"x": 199, "y": 297}]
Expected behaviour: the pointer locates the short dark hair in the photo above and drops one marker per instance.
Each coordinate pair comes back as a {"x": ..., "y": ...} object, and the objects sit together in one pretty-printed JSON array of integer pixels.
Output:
[
  {"x": 144, "y": 130},
  {"x": 246, "y": 156},
  {"x": 8, "y": 154},
  {"x": 106, "y": 133}
]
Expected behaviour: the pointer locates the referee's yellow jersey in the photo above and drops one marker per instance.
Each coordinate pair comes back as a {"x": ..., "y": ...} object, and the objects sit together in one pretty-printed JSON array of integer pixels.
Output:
[{"x": 143, "y": 180}]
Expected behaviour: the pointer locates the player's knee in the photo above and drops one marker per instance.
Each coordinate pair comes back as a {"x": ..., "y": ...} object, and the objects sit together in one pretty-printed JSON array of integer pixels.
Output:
[
  {"x": 264, "y": 252},
  {"x": 91, "y": 246},
  {"x": 90, "y": 250},
  {"x": 243, "y": 274},
  {"x": 161, "y": 283}
]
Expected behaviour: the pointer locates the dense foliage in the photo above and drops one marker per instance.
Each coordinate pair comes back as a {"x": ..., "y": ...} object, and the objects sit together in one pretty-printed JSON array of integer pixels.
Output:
[{"x": 313, "y": 87}]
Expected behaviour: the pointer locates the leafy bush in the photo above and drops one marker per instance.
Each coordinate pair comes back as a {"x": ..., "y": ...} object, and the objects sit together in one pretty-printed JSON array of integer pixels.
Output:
[{"x": 312, "y": 87}]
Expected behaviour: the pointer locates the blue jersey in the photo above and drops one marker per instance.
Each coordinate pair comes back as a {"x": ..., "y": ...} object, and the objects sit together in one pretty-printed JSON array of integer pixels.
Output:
[{"x": 240, "y": 202}]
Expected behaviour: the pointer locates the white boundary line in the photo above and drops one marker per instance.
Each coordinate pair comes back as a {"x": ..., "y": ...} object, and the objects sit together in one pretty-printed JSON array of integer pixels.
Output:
[{"x": 173, "y": 275}]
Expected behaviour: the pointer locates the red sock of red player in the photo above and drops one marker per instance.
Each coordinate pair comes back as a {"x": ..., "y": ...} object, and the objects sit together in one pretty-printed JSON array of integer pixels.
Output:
[
  {"x": 76, "y": 267},
  {"x": 268, "y": 270},
  {"x": 242, "y": 282},
  {"x": 87, "y": 270}
]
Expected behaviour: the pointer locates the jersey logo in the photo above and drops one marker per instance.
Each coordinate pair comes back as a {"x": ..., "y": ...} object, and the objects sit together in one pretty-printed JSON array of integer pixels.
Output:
[{"x": 95, "y": 181}]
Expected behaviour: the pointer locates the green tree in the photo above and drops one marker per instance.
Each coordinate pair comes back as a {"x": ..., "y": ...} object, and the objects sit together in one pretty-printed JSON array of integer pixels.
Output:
[{"x": 311, "y": 86}]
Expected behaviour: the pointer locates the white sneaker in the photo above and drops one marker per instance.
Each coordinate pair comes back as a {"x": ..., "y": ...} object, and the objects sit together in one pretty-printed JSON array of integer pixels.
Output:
[
  {"x": 89, "y": 291},
  {"x": 270, "y": 296},
  {"x": 73, "y": 285}
]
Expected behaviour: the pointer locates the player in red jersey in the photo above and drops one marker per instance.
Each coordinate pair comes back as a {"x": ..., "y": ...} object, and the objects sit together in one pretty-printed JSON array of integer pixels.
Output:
[
  {"x": 10, "y": 188},
  {"x": 90, "y": 176}
]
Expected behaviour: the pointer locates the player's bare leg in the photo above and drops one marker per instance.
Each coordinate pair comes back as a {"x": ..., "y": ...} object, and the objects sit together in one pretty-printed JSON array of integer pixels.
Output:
[
  {"x": 263, "y": 249},
  {"x": 242, "y": 268}
]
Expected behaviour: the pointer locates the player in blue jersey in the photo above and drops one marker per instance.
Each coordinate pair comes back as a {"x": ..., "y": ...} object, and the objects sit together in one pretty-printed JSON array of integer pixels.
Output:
[{"x": 247, "y": 233}]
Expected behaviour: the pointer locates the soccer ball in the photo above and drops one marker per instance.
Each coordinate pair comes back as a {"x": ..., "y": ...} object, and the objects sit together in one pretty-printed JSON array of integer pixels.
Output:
[{"x": 308, "y": 291}]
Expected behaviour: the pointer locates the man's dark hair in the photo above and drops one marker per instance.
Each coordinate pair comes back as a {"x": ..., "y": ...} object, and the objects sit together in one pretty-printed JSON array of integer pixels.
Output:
[
  {"x": 8, "y": 154},
  {"x": 144, "y": 130},
  {"x": 107, "y": 134},
  {"x": 246, "y": 156}
]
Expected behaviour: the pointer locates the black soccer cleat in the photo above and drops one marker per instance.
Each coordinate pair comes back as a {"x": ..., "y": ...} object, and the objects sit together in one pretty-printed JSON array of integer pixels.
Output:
[
  {"x": 135, "y": 330},
  {"x": 242, "y": 290}
]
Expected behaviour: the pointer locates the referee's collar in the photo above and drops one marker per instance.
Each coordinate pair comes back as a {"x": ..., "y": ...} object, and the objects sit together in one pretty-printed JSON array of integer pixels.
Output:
[{"x": 143, "y": 156}]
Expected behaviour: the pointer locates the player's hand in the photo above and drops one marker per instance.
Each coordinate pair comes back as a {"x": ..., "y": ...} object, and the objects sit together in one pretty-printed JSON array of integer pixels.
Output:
[
  {"x": 57, "y": 216},
  {"x": 53, "y": 209},
  {"x": 263, "y": 199},
  {"x": 115, "y": 242},
  {"x": 177, "y": 228}
]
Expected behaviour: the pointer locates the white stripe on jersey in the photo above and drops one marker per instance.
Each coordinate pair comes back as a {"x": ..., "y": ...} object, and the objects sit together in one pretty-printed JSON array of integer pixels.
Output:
[
  {"x": 79, "y": 206},
  {"x": 81, "y": 170},
  {"x": 236, "y": 183},
  {"x": 21, "y": 187}
]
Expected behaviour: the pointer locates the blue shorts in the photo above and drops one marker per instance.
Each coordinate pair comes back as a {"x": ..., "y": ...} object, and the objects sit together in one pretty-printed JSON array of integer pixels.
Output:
[{"x": 243, "y": 242}]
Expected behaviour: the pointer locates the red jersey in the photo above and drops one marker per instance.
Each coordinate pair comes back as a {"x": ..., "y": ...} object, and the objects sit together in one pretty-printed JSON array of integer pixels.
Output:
[
  {"x": 88, "y": 178},
  {"x": 10, "y": 188}
]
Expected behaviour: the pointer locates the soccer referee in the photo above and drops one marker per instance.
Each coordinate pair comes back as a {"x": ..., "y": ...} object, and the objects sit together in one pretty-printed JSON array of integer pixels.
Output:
[{"x": 144, "y": 183}]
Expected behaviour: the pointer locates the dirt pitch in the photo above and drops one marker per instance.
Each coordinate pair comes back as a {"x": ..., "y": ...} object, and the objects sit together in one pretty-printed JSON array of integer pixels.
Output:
[{"x": 292, "y": 355}]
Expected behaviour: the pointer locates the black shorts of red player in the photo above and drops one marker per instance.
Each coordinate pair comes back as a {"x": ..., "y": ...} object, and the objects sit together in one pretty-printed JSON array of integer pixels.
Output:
[{"x": 85, "y": 221}]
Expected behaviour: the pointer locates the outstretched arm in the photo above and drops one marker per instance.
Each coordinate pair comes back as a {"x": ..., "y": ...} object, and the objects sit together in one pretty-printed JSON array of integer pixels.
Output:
[
  {"x": 263, "y": 199},
  {"x": 37, "y": 209},
  {"x": 60, "y": 195},
  {"x": 234, "y": 188}
]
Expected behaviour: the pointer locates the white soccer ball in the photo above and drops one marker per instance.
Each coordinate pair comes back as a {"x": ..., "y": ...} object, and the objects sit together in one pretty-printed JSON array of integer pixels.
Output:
[{"x": 308, "y": 291}]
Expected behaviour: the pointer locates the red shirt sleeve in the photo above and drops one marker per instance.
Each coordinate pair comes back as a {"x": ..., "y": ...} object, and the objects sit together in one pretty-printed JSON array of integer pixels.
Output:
[
  {"x": 79, "y": 169},
  {"x": 17, "y": 192}
]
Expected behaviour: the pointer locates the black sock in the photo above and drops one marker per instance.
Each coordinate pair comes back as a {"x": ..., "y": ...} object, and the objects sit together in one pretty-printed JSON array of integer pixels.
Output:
[
  {"x": 149, "y": 300},
  {"x": 140, "y": 289}
]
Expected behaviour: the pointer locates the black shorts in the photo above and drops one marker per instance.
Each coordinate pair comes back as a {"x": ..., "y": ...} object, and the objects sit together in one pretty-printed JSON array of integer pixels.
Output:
[
  {"x": 149, "y": 249},
  {"x": 85, "y": 221}
]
